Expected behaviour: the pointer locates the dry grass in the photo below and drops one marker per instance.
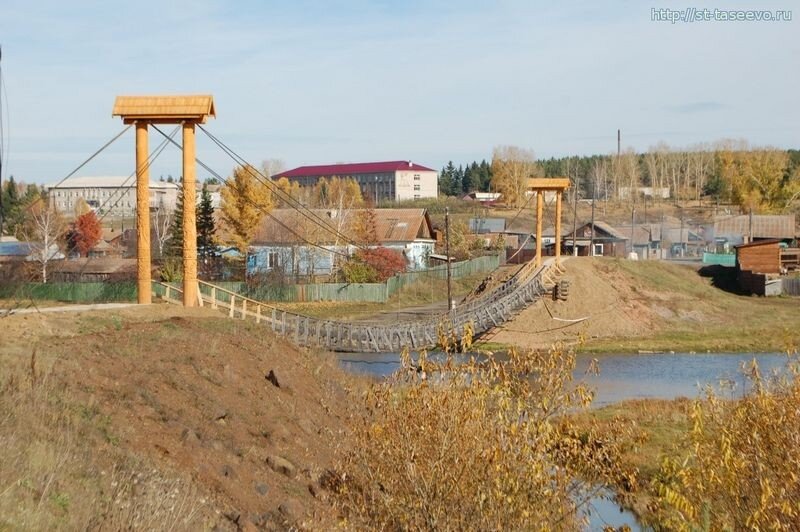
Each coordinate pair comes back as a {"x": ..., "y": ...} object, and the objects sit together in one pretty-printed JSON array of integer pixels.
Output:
[{"x": 60, "y": 469}]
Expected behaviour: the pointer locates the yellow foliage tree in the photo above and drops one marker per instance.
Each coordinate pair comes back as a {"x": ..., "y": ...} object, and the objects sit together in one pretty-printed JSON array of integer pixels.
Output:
[
  {"x": 336, "y": 192},
  {"x": 246, "y": 199},
  {"x": 741, "y": 472},
  {"x": 758, "y": 179},
  {"x": 477, "y": 446},
  {"x": 511, "y": 168},
  {"x": 291, "y": 189}
]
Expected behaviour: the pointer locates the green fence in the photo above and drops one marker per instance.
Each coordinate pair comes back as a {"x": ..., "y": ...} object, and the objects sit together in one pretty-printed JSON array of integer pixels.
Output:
[
  {"x": 367, "y": 292},
  {"x": 723, "y": 259},
  {"x": 71, "y": 292}
]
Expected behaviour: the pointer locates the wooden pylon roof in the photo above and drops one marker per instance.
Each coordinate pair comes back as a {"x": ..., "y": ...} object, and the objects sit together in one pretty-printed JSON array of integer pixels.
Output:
[
  {"x": 548, "y": 183},
  {"x": 164, "y": 109}
]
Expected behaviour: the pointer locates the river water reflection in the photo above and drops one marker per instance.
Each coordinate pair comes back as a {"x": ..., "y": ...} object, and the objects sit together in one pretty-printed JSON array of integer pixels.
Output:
[{"x": 658, "y": 375}]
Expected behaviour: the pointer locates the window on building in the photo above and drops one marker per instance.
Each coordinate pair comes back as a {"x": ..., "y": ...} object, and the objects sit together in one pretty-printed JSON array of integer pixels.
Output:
[
  {"x": 273, "y": 260},
  {"x": 416, "y": 187},
  {"x": 598, "y": 250},
  {"x": 416, "y": 177},
  {"x": 416, "y": 196}
]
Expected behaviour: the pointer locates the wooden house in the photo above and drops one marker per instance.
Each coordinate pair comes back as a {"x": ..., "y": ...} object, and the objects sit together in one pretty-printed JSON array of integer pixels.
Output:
[{"x": 761, "y": 256}]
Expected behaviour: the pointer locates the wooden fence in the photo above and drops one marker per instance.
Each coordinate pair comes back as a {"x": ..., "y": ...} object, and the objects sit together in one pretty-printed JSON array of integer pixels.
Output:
[
  {"x": 791, "y": 286},
  {"x": 368, "y": 292}
]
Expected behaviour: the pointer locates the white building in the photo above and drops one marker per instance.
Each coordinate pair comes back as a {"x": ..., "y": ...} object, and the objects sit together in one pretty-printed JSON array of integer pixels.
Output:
[
  {"x": 389, "y": 180},
  {"x": 115, "y": 194}
]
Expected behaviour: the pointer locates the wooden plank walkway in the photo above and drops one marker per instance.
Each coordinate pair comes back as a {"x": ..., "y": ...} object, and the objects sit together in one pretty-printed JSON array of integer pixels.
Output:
[{"x": 481, "y": 314}]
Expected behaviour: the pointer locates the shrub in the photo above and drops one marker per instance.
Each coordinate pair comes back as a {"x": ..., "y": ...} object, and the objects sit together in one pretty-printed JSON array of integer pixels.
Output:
[
  {"x": 742, "y": 467},
  {"x": 476, "y": 446},
  {"x": 373, "y": 265}
]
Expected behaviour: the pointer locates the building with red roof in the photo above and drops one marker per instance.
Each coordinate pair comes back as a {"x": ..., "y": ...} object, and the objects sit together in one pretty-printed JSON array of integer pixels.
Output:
[{"x": 380, "y": 181}]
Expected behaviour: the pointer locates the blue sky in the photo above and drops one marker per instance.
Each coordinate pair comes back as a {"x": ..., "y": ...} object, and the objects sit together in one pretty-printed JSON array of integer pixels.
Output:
[{"x": 320, "y": 82}]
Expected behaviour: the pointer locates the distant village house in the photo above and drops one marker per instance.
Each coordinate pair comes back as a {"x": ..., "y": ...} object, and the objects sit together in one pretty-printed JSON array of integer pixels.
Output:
[{"x": 288, "y": 241}]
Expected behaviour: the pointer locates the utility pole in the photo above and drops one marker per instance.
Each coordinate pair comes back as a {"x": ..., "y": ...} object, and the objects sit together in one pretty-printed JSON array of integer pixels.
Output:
[
  {"x": 447, "y": 252},
  {"x": 681, "y": 237},
  {"x": 750, "y": 229},
  {"x": 594, "y": 194},
  {"x": 633, "y": 225},
  {"x": 574, "y": 218},
  {"x": 2, "y": 140}
]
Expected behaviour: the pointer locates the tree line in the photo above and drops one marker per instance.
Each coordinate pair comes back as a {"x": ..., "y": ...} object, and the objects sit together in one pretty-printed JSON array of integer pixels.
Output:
[{"x": 762, "y": 179}]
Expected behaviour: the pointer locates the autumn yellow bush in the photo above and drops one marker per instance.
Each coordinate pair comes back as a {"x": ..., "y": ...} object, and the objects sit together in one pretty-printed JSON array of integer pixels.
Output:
[
  {"x": 743, "y": 467},
  {"x": 479, "y": 445}
]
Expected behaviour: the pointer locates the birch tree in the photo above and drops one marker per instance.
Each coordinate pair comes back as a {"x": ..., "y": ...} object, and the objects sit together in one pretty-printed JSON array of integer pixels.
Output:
[
  {"x": 161, "y": 223},
  {"x": 45, "y": 229}
]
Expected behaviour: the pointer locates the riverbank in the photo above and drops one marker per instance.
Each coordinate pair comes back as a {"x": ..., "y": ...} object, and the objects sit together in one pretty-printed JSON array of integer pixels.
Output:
[{"x": 618, "y": 306}]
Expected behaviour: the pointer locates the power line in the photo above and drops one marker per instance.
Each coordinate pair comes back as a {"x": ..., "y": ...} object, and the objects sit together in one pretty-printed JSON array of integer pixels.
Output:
[
  {"x": 287, "y": 198},
  {"x": 151, "y": 157},
  {"x": 257, "y": 206}
]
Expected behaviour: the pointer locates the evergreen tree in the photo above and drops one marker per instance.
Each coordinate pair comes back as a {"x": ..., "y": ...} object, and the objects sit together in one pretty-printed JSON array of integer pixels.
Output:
[
  {"x": 206, "y": 229},
  {"x": 13, "y": 206},
  {"x": 174, "y": 247},
  {"x": 446, "y": 179},
  {"x": 472, "y": 178},
  {"x": 458, "y": 178},
  {"x": 486, "y": 176}
]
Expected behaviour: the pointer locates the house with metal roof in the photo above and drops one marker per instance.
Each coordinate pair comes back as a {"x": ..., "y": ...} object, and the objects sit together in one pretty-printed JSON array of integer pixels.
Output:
[
  {"x": 379, "y": 181},
  {"x": 16, "y": 251},
  {"x": 750, "y": 228},
  {"x": 309, "y": 243}
]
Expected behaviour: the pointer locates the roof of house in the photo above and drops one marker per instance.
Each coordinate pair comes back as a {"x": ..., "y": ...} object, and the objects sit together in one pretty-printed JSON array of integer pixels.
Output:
[
  {"x": 27, "y": 250},
  {"x": 288, "y": 226},
  {"x": 97, "y": 265},
  {"x": 347, "y": 169},
  {"x": 642, "y": 234},
  {"x": 107, "y": 182},
  {"x": 15, "y": 249},
  {"x": 764, "y": 225},
  {"x": 487, "y": 225},
  {"x": 610, "y": 231},
  {"x": 766, "y": 242}
]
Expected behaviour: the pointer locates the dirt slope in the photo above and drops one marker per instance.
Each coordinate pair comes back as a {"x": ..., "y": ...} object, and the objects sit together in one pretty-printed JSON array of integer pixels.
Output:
[
  {"x": 252, "y": 420},
  {"x": 628, "y": 305}
]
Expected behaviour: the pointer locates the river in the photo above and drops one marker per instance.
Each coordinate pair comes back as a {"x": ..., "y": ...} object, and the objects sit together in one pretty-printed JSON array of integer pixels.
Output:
[
  {"x": 621, "y": 377},
  {"x": 657, "y": 376}
]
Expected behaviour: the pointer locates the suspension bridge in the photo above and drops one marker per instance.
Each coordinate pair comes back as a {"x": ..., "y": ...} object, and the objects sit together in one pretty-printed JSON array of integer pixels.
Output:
[
  {"x": 481, "y": 311},
  {"x": 475, "y": 316}
]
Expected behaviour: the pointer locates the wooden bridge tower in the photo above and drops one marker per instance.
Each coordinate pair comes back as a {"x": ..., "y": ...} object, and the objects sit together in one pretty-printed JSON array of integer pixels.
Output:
[
  {"x": 539, "y": 186},
  {"x": 186, "y": 111}
]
